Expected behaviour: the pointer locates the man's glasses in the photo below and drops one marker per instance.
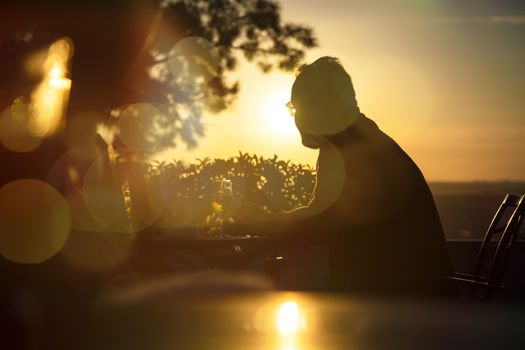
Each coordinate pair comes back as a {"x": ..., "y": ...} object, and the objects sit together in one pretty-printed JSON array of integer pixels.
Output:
[{"x": 291, "y": 109}]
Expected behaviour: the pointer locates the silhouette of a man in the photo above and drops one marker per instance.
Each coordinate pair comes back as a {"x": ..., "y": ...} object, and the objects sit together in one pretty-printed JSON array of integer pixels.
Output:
[{"x": 371, "y": 203}]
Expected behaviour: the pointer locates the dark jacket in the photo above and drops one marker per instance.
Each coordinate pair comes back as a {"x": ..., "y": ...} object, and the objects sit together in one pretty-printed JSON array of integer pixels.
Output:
[{"x": 374, "y": 208}]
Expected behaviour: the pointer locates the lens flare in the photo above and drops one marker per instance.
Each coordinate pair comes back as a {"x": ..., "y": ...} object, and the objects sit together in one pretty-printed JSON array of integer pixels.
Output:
[
  {"x": 14, "y": 134},
  {"x": 34, "y": 221},
  {"x": 50, "y": 97},
  {"x": 139, "y": 126},
  {"x": 193, "y": 61},
  {"x": 103, "y": 197}
]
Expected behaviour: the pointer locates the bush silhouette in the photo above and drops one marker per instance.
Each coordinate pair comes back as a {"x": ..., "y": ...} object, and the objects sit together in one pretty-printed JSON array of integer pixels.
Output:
[{"x": 260, "y": 186}]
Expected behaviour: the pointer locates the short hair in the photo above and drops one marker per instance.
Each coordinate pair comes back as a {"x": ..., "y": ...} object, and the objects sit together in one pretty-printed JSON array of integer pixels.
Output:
[
  {"x": 325, "y": 80},
  {"x": 324, "y": 97}
]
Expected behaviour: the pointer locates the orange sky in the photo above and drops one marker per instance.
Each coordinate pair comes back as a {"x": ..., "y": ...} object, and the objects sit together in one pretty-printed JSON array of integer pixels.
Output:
[{"x": 447, "y": 84}]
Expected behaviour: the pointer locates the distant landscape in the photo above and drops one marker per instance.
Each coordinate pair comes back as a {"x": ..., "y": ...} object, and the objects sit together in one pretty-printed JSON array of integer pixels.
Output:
[{"x": 466, "y": 208}]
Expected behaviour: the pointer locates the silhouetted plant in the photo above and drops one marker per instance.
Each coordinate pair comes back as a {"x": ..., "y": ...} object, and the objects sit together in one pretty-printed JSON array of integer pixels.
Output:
[{"x": 260, "y": 185}]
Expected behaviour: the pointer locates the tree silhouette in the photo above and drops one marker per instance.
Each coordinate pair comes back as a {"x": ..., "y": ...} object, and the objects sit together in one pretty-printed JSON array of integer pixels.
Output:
[
  {"x": 177, "y": 56},
  {"x": 193, "y": 48}
]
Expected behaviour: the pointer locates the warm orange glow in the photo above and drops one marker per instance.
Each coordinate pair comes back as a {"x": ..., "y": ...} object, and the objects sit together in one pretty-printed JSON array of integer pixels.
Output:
[
  {"x": 50, "y": 97},
  {"x": 289, "y": 319},
  {"x": 275, "y": 114},
  {"x": 456, "y": 112},
  {"x": 56, "y": 79},
  {"x": 260, "y": 123}
]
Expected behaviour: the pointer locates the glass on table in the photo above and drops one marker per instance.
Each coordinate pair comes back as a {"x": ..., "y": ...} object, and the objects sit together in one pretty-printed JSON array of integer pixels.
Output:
[{"x": 221, "y": 199}]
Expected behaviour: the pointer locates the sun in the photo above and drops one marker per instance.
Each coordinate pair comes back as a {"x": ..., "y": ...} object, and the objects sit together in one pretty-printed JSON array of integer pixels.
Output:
[{"x": 274, "y": 113}]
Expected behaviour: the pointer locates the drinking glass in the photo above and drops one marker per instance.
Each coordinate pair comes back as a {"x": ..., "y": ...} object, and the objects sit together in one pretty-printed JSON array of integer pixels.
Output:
[{"x": 221, "y": 198}]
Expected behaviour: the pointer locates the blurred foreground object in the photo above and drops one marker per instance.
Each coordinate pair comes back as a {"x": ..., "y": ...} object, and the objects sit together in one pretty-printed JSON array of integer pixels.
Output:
[{"x": 24, "y": 127}]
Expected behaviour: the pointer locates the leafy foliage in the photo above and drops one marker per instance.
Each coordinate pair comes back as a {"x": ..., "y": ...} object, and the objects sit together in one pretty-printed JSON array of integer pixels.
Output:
[
  {"x": 196, "y": 45},
  {"x": 251, "y": 27},
  {"x": 176, "y": 55},
  {"x": 260, "y": 185}
]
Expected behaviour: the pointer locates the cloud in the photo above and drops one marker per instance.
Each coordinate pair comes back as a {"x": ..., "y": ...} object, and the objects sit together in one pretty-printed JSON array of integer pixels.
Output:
[{"x": 512, "y": 20}]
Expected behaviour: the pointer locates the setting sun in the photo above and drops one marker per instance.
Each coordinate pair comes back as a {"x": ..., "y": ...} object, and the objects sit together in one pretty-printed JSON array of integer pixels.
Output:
[{"x": 275, "y": 115}]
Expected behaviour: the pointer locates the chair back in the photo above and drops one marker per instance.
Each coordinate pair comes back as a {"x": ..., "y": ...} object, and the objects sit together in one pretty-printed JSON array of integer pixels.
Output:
[{"x": 490, "y": 266}]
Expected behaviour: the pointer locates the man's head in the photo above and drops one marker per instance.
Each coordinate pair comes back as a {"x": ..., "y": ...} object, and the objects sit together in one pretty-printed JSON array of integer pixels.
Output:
[{"x": 324, "y": 100}]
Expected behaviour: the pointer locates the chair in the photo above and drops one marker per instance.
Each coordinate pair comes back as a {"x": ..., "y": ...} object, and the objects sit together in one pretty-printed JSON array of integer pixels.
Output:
[{"x": 491, "y": 263}]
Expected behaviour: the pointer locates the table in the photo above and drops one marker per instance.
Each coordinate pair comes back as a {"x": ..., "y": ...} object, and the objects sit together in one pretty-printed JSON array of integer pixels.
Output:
[
  {"x": 198, "y": 254},
  {"x": 302, "y": 321}
]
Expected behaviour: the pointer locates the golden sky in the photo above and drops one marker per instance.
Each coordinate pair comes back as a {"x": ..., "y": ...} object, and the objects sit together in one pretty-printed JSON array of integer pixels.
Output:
[{"x": 445, "y": 81}]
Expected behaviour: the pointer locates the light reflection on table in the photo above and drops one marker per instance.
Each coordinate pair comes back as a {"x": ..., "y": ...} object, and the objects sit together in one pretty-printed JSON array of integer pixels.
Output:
[{"x": 304, "y": 321}]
